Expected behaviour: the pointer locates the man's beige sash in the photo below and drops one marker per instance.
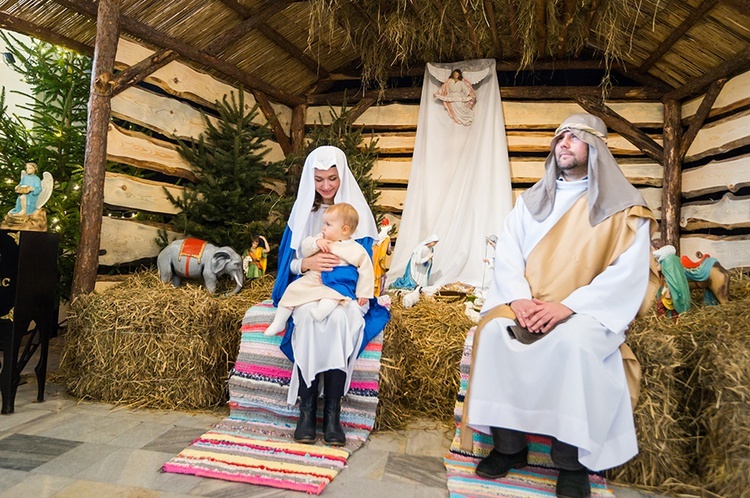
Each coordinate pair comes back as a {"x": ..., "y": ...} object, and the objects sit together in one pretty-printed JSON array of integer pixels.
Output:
[{"x": 570, "y": 256}]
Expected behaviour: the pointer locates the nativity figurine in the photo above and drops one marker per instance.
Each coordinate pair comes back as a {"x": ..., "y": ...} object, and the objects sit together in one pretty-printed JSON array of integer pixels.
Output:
[
  {"x": 33, "y": 193},
  {"x": 458, "y": 98}
]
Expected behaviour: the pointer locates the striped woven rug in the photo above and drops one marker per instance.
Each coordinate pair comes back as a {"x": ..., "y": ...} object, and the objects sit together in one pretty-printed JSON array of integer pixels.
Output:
[
  {"x": 536, "y": 480},
  {"x": 255, "y": 444}
]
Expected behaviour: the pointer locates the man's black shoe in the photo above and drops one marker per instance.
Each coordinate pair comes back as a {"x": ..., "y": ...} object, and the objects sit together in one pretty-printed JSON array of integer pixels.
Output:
[
  {"x": 497, "y": 465},
  {"x": 573, "y": 484}
]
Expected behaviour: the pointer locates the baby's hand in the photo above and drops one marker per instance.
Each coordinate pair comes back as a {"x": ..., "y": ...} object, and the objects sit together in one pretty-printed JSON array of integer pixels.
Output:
[
  {"x": 323, "y": 245},
  {"x": 362, "y": 301}
]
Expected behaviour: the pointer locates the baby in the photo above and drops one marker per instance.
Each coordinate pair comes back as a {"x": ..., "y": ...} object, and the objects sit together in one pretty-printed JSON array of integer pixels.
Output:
[{"x": 352, "y": 279}]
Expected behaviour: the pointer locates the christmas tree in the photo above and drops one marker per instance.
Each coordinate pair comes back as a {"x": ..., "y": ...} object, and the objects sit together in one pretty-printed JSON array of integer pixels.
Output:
[
  {"x": 234, "y": 196},
  {"x": 54, "y": 137}
]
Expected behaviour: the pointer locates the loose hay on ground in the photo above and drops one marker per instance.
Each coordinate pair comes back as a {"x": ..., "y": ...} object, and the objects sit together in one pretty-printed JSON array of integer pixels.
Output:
[{"x": 143, "y": 343}]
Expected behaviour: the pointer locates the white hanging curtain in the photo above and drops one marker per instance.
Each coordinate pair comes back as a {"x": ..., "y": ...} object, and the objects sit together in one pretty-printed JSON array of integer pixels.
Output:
[{"x": 459, "y": 184}]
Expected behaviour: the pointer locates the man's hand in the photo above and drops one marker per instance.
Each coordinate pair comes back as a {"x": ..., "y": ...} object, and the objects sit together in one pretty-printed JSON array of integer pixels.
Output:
[
  {"x": 546, "y": 316},
  {"x": 320, "y": 261},
  {"x": 523, "y": 308},
  {"x": 323, "y": 244}
]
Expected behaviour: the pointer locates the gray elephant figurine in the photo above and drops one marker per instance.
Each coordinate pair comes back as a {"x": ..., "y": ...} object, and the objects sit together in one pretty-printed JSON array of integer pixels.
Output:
[{"x": 195, "y": 258}]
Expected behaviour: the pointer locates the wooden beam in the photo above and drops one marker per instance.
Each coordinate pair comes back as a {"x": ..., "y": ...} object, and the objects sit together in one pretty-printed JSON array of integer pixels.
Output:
[
  {"x": 273, "y": 122},
  {"x": 567, "y": 20},
  {"x": 513, "y": 21},
  {"x": 623, "y": 127},
  {"x": 696, "y": 123},
  {"x": 137, "y": 72},
  {"x": 359, "y": 109},
  {"x": 92, "y": 198},
  {"x": 298, "y": 128},
  {"x": 509, "y": 92},
  {"x": 154, "y": 37},
  {"x": 470, "y": 28},
  {"x": 671, "y": 192},
  {"x": 737, "y": 64},
  {"x": 19, "y": 25},
  {"x": 645, "y": 79},
  {"x": 314, "y": 66},
  {"x": 675, "y": 35},
  {"x": 540, "y": 18},
  {"x": 237, "y": 31},
  {"x": 237, "y": 7},
  {"x": 489, "y": 10},
  {"x": 587, "y": 26}
]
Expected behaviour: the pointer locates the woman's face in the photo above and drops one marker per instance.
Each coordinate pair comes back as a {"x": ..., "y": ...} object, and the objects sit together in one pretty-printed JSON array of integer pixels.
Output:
[
  {"x": 455, "y": 75},
  {"x": 327, "y": 183}
]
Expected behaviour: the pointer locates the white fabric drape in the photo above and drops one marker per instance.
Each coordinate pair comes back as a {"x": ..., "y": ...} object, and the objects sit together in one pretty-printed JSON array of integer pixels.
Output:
[{"x": 459, "y": 184}]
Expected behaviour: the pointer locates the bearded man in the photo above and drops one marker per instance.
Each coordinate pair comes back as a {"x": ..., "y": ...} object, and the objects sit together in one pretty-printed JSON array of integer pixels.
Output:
[{"x": 571, "y": 272}]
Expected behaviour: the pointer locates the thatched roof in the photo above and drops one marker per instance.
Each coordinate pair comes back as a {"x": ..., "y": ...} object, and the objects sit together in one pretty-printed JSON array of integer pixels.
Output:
[{"x": 302, "y": 48}]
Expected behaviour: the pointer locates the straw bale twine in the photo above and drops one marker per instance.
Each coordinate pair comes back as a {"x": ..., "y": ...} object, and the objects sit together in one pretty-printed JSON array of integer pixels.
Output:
[
  {"x": 143, "y": 343},
  {"x": 419, "y": 372}
]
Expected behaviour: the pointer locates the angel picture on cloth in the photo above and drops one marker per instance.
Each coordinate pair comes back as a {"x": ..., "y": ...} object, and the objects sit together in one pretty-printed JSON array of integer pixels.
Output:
[{"x": 458, "y": 98}]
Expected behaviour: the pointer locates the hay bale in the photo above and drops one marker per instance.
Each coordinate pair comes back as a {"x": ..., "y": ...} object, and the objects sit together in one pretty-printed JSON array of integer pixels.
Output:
[
  {"x": 143, "y": 343},
  {"x": 693, "y": 419},
  {"x": 419, "y": 375}
]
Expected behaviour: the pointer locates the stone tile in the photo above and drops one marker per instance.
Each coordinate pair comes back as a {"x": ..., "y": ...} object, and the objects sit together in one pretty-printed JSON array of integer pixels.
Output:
[
  {"x": 92, "y": 489},
  {"x": 91, "y": 427},
  {"x": 140, "y": 435},
  {"x": 76, "y": 460},
  {"x": 174, "y": 440},
  {"x": 20, "y": 417},
  {"x": 43, "y": 422},
  {"x": 23, "y": 452},
  {"x": 423, "y": 470},
  {"x": 38, "y": 486},
  {"x": 200, "y": 420},
  {"x": 364, "y": 488},
  {"x": 365, "y": 463},
  {"x": 128, "y": 467},
  {"x": 428, "y": 442},
  {"x": 391, "y": 441},
  {"x": 9, "y": 478}
]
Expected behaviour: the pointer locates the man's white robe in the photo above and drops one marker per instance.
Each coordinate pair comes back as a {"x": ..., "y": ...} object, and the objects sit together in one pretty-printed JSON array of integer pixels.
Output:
[{"x": 570, "y": 384}]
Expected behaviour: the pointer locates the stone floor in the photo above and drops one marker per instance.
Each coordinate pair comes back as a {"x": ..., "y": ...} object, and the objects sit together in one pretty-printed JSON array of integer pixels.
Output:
[{"x": 66, "y": 448}]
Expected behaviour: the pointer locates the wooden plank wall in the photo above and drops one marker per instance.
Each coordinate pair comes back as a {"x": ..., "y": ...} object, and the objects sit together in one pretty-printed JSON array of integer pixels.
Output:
[
  {"x": 715, "y": 214},
  {"x": 173, "y": 112},
  {"x": 529, "y": 126}
]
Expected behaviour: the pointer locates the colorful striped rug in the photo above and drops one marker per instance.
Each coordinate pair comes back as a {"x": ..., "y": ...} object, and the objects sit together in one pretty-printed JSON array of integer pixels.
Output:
[
  {"x": 254, "y": 444},
  {"x": 536, "y": 480}
]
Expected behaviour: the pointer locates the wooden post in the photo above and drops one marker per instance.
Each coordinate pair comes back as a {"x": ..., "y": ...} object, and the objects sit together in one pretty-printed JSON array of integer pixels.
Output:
[
  {"x": 92, "y": 199},
  {"x": 672, "y": 187},
  {"x": 298, "y": 127}
]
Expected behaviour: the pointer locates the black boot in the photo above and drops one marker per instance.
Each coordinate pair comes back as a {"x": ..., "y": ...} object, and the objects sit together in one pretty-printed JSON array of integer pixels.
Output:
[
  {"x": 308, "y": 408},
  {"x": 334, "y": 381}
]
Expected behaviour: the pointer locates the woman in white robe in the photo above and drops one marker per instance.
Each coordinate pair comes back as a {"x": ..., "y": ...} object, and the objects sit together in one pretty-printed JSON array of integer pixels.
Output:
[{"x": 325, "y": 349}]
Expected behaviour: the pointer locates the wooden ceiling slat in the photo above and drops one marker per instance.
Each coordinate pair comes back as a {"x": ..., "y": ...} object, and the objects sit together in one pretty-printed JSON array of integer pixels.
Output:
[
  {"x": 727, "y": 69},
  {"x": 238, "y": 31},
  {"x": 570, "y": 6},
  {"x": 157, "y": 38},
  {"x": 675, "y": 35}
]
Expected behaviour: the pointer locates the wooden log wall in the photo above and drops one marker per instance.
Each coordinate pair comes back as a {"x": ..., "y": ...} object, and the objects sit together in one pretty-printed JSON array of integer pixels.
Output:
[
  {"x": 529, "y": 125},
  {"x": 174, "y": 111},
  {"x": 715, "y": 214}
]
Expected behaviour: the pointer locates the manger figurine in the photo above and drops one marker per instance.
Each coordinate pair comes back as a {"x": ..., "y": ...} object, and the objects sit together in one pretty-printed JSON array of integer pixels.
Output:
[
  {"x": 33, "y": 193},
  {"x": 380, "y": 253},
  {"x": 255, "y": 259}
]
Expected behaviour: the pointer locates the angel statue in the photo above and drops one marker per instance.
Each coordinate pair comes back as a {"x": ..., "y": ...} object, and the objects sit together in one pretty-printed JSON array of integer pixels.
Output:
[
  {"x": 33, "y": 194},
  {"x": 458, "y": 97}
]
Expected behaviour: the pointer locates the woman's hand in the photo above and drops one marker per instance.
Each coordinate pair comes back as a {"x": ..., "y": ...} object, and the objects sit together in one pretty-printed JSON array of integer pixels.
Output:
[
  {"x": 362, "y": 301},
  {"x": 320, "y": 261}
]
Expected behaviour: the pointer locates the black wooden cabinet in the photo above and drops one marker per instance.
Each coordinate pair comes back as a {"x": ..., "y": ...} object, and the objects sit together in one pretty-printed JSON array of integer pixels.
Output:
[{"x": 28, "y": 308}]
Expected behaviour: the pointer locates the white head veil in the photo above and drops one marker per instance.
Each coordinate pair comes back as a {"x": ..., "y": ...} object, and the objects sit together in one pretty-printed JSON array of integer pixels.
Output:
[{"x": 324, "y": 158}]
